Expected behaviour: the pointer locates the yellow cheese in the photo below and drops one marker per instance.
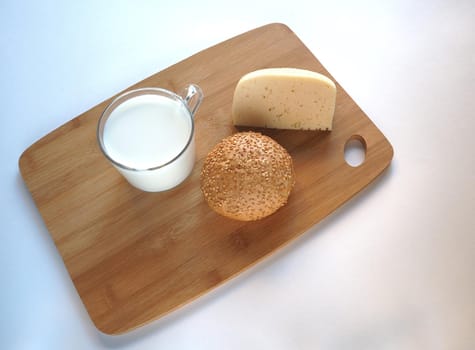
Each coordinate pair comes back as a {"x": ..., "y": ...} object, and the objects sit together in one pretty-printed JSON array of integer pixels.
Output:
[{"x": 284, "y": 98}]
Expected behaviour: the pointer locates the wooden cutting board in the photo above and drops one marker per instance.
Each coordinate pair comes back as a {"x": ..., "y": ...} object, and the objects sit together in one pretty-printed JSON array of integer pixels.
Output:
[{"x": 135, "y": 256}]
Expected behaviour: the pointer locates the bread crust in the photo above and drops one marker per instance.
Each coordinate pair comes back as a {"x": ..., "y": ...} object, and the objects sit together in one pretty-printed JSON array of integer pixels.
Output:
[{"x": 247, "y": 176}]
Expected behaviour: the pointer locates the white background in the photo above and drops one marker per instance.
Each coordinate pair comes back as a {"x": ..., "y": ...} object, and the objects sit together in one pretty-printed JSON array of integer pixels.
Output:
[{"x": 392, "y": 269}]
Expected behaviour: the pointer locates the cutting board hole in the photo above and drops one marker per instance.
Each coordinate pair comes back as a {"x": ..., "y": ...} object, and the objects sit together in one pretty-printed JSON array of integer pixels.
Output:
[{"x": 355, "y": 151}]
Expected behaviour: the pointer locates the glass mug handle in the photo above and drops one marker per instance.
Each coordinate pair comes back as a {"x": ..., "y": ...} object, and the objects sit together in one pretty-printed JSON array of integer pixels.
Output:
[{"x": 193, "y": 96}]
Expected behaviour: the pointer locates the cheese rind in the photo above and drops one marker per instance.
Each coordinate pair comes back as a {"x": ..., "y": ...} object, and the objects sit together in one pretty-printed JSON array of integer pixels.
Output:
[{"x": 284, "y": 98}]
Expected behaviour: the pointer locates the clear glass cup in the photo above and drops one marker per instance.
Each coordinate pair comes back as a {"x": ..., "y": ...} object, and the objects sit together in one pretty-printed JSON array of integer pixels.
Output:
[{"x": 148, "y": 136}]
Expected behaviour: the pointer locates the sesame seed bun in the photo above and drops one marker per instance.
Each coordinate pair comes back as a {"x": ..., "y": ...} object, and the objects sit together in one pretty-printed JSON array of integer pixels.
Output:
[{"x": 247, "y": 176}]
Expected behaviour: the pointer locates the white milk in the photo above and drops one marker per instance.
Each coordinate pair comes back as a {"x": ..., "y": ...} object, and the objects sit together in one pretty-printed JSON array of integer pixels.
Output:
[{"x": 150, "y": 131}]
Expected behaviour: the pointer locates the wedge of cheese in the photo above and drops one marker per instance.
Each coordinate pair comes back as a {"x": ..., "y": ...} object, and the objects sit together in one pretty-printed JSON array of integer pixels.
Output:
[{"x": 284, "y": 98}]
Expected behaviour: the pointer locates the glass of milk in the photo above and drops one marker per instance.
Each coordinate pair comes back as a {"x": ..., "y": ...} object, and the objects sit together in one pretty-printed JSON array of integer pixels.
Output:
[{"x": 148, "y": 136}]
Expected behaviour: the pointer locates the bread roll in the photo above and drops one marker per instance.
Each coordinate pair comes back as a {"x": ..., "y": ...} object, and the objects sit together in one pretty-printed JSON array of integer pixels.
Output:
[{"x": 247, "y": 176}]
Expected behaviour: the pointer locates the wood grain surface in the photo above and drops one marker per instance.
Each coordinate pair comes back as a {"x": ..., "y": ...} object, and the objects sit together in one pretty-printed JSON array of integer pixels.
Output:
[{"x": 135, "y": 256}]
